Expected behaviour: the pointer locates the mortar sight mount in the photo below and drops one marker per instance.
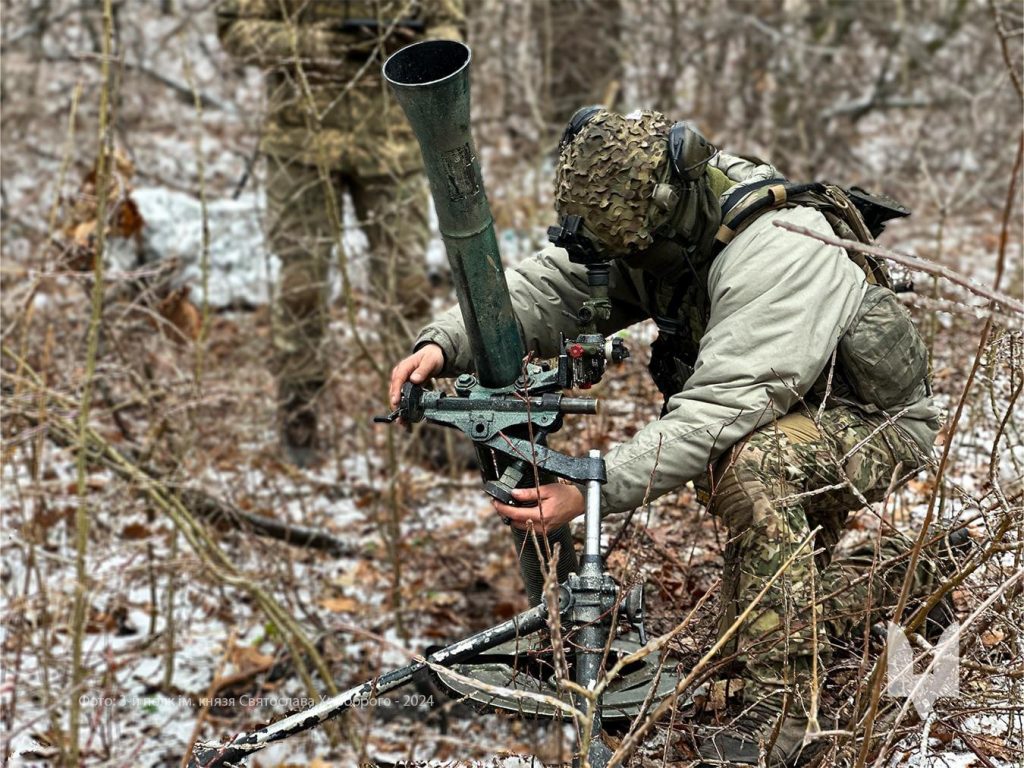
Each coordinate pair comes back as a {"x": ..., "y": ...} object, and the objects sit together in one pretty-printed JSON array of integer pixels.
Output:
[
  {"x": 509, "y": 425},
  {"x": 512, "y": 422}
]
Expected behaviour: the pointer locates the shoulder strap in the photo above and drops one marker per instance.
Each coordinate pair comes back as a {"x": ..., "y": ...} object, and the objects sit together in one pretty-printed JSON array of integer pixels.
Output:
[{"x": 744, "y": 205}]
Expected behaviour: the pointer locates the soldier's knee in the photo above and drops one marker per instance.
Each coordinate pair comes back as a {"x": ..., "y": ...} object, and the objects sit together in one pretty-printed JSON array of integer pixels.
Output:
[
  {"x": 748, "y": 487},
  {"x": 735, "y": 492}
]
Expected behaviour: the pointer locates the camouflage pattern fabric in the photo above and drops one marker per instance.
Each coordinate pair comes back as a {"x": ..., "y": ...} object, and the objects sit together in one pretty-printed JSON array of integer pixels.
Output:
[
  {"x": 610, "y": 175},
  {"x": 607, "y": 175},
  {"x": 771, "y": 334},
  {"x": 296, "y": 233},
  {"x": 393, "y": 214},
  {"x": 326, "y": 99},
  {"x": 330, "y": 115},
  {"x": 771, "y": 490}
]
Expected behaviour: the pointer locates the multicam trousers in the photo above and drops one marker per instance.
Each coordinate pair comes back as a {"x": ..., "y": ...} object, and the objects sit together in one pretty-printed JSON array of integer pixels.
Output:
[
  {"x": 772, "y": 490},
  {"x": 393, "y": 215}
]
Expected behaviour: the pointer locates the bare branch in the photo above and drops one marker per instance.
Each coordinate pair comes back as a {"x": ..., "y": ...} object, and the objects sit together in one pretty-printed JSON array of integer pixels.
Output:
[{"x": 910, "y": 262}]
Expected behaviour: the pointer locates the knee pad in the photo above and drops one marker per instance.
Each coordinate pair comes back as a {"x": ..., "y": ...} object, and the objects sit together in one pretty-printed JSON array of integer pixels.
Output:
[{"x": 733, "y": 494}]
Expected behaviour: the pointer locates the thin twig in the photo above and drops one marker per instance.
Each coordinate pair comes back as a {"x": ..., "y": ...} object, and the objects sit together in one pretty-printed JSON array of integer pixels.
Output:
[
  {"x": 92, "y": 352},
  {"x": 911, "y": 262}
]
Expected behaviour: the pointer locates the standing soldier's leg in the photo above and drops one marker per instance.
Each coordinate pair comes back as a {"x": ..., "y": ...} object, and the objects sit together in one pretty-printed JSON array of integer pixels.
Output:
[
  {"x": 579, "y": 68},
  {"x": 393, "y": 211},
  {"x": 299, "y": 235},
  {"x": 772, "y": 490}
]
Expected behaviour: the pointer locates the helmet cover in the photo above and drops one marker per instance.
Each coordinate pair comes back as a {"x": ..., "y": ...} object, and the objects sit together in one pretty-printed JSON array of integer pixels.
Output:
[{"x": 607, "y": 175}]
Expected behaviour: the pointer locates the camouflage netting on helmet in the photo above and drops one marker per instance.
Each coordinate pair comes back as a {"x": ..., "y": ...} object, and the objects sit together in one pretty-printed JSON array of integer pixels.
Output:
[{"x": 607, "y": 175}]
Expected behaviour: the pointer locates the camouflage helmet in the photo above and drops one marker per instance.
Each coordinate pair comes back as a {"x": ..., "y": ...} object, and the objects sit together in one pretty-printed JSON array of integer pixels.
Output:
[{"x": 608, "y": 173}]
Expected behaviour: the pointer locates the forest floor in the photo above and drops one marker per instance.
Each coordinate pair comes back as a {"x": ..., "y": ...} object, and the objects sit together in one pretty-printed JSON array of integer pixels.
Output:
[
  {"x": 165, "y": 635},
  {"x": 177, "y": 644}
]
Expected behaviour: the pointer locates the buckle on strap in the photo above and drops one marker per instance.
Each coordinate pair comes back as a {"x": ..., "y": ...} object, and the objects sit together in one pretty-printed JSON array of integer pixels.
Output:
[
  {"x": 725, "y": 234},
  {"x": 836, "y": 195}
]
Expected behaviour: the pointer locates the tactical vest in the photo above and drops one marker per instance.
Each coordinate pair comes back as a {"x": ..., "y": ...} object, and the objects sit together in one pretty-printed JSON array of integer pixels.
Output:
[{"x": 882, "y": 359}]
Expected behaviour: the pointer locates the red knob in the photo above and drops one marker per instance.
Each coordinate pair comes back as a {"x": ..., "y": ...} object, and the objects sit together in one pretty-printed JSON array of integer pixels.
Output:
[{"x": 576, "y": 350}]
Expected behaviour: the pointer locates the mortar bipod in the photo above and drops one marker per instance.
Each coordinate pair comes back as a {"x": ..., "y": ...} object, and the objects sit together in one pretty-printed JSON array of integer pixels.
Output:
[
  {"x": 592, "y": 644},
  {"x": 506, "y": 657}
]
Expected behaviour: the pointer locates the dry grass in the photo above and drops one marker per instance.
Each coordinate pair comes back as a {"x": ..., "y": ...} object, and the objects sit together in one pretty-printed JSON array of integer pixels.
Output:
[{"x": 915, "y": 99}]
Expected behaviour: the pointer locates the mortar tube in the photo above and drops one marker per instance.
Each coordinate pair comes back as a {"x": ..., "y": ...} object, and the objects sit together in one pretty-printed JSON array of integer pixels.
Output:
[{"x": 430, "y": 80}]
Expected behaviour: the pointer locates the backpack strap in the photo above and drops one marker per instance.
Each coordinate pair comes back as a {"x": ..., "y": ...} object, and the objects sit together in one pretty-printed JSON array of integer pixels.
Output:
[
  {"x": 748, "y": 202},
  {"x": 842, "y": 211}
]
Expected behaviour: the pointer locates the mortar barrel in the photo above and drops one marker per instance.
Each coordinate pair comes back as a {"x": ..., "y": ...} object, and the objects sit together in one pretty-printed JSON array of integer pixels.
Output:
[{"x": 430, "y": 79}]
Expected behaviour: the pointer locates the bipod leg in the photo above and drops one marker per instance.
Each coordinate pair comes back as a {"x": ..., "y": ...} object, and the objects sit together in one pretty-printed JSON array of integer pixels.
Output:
[{"x": 232, "y": 754}]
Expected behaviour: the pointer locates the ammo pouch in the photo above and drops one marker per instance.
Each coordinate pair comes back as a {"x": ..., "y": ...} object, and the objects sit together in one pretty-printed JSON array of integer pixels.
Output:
[{"x": 882, "y": 356}]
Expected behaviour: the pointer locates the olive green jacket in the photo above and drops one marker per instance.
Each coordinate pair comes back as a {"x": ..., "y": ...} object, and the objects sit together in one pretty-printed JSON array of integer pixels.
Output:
[
  {"x": 326, "y": 98},
  {"x": 779, "y": 304}
]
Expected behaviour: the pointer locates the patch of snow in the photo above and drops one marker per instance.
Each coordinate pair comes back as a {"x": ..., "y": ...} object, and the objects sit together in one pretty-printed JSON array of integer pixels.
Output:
[{"x": 241, "y": 270}]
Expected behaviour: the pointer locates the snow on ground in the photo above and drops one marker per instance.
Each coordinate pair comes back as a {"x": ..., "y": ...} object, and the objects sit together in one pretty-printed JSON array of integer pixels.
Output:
[
  {"x": 457, "y": 569},
  {"x": 138, "y": 717}
]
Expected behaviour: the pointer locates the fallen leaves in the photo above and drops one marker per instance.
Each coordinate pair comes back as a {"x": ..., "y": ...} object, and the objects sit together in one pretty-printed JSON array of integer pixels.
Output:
[
  {"x": 179, "y": 319},
  {"x": 247, "y": 659},
  {"x": 184, "y": 322},
  {"x": 112, "y": 621},
  {"x": 992, "y": 637},
  {"x": 339, "y": 604},
  {"x": 135, "y": 532},
  {"x": 79, "y": 225}
]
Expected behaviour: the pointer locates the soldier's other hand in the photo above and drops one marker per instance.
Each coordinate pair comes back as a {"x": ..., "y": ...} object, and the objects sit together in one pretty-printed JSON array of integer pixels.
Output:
[
  {"x": 419, "y": 367},
  {"x": 556, "y": 504}
]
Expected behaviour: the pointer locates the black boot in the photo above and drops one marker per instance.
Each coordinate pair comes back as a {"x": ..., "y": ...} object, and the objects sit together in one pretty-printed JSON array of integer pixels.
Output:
[
  {"x": 744, "y": 740},
  {"x": 297, "y": 422},
  {"x": 948, "y": 554}
]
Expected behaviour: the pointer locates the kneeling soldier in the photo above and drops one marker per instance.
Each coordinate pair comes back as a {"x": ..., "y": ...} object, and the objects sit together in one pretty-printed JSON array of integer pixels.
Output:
[{"x": 795, "y": 384}]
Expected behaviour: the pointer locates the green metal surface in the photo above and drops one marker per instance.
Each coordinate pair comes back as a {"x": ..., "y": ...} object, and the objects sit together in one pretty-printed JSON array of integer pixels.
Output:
[
  {"x": 520, "y": 666},
  {"x": 431, "y": 82}
]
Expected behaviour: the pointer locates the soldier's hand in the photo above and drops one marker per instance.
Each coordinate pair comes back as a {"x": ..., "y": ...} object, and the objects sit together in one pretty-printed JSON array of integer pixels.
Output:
[
  {"x": 419, "y": 367},
  {"x": 557, "y": 504}
]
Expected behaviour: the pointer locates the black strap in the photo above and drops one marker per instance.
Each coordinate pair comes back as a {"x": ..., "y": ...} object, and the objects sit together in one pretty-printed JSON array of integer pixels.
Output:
[
  {"x": 742, "y": 191},
  {"x": 668, "y": 323},
  {"x": 762, "y": 205}
]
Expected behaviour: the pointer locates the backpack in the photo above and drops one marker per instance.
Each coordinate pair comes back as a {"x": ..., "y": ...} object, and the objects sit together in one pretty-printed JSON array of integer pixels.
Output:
[{"x": 881, "y": 358}]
